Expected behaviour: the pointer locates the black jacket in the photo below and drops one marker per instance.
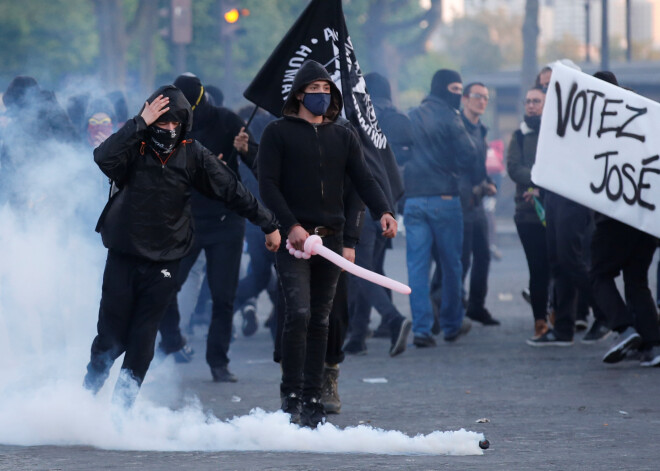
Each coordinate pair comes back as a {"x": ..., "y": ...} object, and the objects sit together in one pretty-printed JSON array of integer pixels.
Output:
[
  {"x": 150, "y": 215},
  {"x": 471, "y": 183},
  {"x": 397, "y": 128},
  {"x": 215, "y": 128},
  {"x": 519, "y": 162},
  {"x": 302, "y": 166},
  {"x": 443, "y": 150}
]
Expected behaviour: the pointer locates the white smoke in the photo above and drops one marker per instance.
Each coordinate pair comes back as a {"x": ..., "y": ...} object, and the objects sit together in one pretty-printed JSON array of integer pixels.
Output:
[{"x": 51, "y": 265}]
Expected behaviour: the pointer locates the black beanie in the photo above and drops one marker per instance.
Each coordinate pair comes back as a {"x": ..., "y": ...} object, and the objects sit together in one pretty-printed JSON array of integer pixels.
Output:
[
  {"x": 19, "y": 91},
  {"x": 378, "y": 86},
  {"x": 441, "y": 79},
  {"x": 607, "y": 76},
  {"x": 191, "y": 87}
]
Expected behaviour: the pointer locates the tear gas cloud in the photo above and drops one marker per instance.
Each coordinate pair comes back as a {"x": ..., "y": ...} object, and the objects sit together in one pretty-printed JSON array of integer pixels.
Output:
[{"x": 50, "y": 282}]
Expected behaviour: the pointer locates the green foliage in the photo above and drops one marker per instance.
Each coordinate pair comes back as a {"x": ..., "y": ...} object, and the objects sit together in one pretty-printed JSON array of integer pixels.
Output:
[{"x": 47, "y": 39}]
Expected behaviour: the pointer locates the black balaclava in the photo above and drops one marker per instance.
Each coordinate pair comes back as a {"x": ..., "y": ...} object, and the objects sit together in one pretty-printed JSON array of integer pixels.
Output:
[
  {"x": 194, "y": 91},
  {"x": 441, "y": 80},
  {"x": 378, "y": 86}
]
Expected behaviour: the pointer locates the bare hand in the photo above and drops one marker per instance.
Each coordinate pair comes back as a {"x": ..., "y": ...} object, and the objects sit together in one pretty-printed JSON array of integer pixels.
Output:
[
  {"x": 348, "y": 254},
  {"x": 241, "y": 141},
  {"x": 389, "y": 225},
  {"x": 273, "y": 240},
  {"x": 297, "y": 237},
  {"x": 99, "y": 136},
  {"x": 154, "y": 110}
]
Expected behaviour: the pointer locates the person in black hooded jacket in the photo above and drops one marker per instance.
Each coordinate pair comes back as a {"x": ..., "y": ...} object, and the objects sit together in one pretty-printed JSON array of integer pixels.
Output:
[
  {"x": 303, "y": 160},
  {"x": 147, "y": 228},
  {"x": 220, "y": 232}
]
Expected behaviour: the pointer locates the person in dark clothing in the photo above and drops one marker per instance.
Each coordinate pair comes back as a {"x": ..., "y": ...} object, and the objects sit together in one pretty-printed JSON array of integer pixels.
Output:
[
  {"x": 370, "y": 252},
  {"x": 216, "y": 95},
  {"x": 304, "y": 158},
  {"x": 434, "y": 219},
  {"x": 34, "y": 118},
  {"x": 528, "y": 198},
  {"x": 617, "y": 247},
  {"x": 476, "y": 247},
  {"x": 219, "y": 231},
  {"x": 118, "y": 100},
  {"x": 147, "y": 228}
]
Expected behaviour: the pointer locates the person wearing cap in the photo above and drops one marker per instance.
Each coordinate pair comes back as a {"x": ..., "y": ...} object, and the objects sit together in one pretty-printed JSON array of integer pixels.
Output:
[
  {"x": 147, "y": 228},
  {"x": 220, "y": 232},
  {"x": 303, "y": 160},
  {"x": 443, "y": 152}
]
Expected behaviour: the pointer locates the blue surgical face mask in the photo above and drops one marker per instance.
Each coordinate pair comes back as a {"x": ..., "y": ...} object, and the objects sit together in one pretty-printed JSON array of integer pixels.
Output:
[{"x": 317, "y": 103}]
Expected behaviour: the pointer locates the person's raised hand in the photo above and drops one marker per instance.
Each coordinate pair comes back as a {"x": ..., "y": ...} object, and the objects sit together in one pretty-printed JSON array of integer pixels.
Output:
[
  {"x": 154, "y": 110},
  {"x": 241, "y": 141}
]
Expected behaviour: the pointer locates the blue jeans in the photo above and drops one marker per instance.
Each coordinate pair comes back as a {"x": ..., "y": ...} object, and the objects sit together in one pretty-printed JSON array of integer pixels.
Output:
[{"x": 434, "y": 225}]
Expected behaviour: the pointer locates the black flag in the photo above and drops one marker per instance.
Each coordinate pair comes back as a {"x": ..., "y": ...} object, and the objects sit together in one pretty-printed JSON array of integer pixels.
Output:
[{"x": 320, "y": 34}]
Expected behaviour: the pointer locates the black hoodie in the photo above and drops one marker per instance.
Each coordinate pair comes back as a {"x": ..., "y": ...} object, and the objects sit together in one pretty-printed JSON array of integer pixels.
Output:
[
  {"x": 150, "y": 216},
  {"x": 302, "y": 166}
]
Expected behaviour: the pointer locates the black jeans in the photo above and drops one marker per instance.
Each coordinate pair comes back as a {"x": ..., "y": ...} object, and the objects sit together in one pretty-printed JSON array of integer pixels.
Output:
[
  {"x": 363, "y": 294},
  {"x": 308, "y": 287},
  {"x": 476, "y": 255},
  {"x": 533, "y": 239},
  {"x": 223, "y": 250},
  {"x": 135, "y": 295},
  {"x": 567, "y": 224},
  {"x": 617, "y": 247}
]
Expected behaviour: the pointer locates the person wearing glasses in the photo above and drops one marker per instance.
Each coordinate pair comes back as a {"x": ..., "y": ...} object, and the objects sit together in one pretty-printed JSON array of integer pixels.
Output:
[
  {"x": 476, "y": 251},
  {"x": 531, "y": 229}
]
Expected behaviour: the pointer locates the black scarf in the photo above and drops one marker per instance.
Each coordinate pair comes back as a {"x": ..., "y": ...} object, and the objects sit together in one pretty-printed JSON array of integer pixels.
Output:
[{"x": 163, "y": 140}]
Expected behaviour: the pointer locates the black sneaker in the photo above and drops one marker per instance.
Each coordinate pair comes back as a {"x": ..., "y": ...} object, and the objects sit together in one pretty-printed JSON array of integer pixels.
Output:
[
  {"x": 355, "y": 347},
  {"x": 313, "y": 413},
  {"x": 292, "y": 405},
  {"x": 249, "y": 325},
  {"x": 399, "y": 335},
  {"x": 482, "y": 316},
  {"x": 221, "y": 374},
  {"x": 549, "y": 339},
  {"x": 597, "y": 332},
  {"x": 651, "y": 357},
  {"x": 466, "y": 325},
  {"x": 627, "y": 340},
  {"x": 423, "y": 341}
]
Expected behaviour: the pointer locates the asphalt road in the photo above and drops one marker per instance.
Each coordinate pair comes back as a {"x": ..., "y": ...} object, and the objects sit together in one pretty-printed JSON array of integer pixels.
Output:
[{"x": 549, "y": 409}]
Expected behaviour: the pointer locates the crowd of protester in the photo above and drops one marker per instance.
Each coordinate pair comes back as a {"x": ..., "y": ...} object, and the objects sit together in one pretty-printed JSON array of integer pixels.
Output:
[{"x": 185, "y": 161}]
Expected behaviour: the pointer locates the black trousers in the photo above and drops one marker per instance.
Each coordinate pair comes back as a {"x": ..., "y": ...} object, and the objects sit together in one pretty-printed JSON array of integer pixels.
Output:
[
  {"x": 533, "y": 239},
  {"x": 567, "y": 223},
  {"x": 135, "y": 295},
  {"x": 616, "y": 248},
  {"x": 223, "y": 250},
  {"x": 308, "y": 288},
  {"x": 476, "y": 257}
]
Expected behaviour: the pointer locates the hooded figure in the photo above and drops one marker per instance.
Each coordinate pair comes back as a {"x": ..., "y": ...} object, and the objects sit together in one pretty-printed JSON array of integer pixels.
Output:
[
  {"x": 441, "y": 80},
  {"x": 98, "y": 122},
  {"x": 304, "y": 159},
  {"x": 147, "y": 228}
]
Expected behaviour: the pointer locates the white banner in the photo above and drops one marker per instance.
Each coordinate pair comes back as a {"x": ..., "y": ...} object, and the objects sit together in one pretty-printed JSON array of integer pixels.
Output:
[{"x": 599, "y": 146}]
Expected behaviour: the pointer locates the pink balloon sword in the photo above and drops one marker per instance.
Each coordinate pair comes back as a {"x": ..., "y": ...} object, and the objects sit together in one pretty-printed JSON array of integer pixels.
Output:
[{"x": 314, "y": 246}]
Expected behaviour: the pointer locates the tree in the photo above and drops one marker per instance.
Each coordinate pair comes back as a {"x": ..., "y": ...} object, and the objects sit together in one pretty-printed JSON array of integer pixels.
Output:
[{"x": 530, "y": 36}]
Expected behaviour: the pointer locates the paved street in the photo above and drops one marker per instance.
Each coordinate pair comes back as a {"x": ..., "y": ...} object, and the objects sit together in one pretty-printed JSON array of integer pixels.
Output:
[{"x": 550, "y": 409}]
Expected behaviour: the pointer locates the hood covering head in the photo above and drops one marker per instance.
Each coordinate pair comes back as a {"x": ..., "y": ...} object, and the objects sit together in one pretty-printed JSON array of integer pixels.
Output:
[
  {"x": 309, "y": 72},
  {"x": 216, "y": 94},
  {"x": 378, "y": 86},
  {"x": 20, "y": 92},
  {"x": 441, "y": 80},
  {"x": 194, "y": 91},
  {"x": 179, "y": 109},
  {"x": 99, "y": 105},
  {"x": 607, "y": 76}
]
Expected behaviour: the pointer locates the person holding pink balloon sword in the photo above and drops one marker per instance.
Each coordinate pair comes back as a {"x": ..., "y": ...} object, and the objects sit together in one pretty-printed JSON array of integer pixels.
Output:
[{"x": 303, "y": 160}]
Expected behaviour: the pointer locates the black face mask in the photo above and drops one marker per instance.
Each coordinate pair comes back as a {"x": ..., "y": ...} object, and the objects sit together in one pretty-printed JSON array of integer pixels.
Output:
[
  {"x": 163, "y": 140},
  {"x": 534, "y": 122},
  {"x": 452, "y": 99}
]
